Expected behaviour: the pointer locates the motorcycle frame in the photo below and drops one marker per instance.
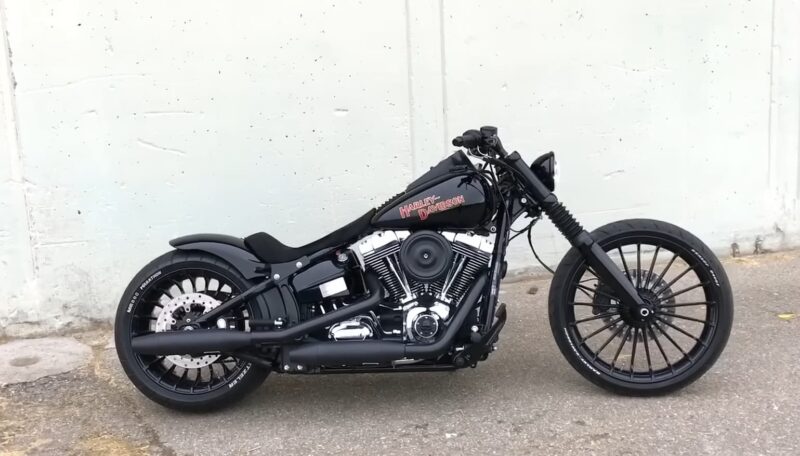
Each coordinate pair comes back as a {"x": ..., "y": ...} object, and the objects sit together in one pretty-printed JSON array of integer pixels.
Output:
[{"x": 537, "y": 199}]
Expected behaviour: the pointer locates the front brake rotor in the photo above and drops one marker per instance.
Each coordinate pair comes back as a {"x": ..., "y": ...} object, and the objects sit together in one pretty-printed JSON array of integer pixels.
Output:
[{"x": 602, "y": 302}]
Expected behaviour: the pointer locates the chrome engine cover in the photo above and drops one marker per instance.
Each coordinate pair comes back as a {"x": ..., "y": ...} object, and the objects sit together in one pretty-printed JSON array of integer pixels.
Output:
[{"x": 359, "y": 328}]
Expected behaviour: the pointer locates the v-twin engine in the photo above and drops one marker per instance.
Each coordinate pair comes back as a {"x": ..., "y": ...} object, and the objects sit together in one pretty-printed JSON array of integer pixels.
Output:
[{"x": 426, "y": 273}]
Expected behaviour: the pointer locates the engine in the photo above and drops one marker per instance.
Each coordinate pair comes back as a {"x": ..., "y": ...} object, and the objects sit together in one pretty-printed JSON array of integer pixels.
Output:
[{"x": 425, "y": 273}]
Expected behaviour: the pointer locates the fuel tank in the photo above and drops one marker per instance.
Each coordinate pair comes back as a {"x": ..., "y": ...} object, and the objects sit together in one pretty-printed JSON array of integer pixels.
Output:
[{"x": 453, "y": 195}]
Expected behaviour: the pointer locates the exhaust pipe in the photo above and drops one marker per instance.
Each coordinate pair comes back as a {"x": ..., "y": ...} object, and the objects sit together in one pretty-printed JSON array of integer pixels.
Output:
[
  {"x": 227, "y": 341},
  {"x": 377, "y": 351}
]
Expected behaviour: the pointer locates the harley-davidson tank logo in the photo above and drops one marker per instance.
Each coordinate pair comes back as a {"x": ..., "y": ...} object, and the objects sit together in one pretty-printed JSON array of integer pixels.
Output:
[{"x": 430, "y": 205}]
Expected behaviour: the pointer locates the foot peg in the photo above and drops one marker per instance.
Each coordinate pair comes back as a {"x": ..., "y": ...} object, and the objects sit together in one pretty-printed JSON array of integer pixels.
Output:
[{"x": 480, "y": 350}]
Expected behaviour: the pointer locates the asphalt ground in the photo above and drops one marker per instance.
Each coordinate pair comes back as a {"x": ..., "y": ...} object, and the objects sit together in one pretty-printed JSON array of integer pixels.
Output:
[{"x": 525, "y": 399}]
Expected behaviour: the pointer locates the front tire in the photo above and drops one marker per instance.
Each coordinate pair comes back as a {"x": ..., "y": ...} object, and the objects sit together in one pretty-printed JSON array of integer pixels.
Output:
[
  {"x": 179, "y": 285},
  {"x": 682, "y": 334}
]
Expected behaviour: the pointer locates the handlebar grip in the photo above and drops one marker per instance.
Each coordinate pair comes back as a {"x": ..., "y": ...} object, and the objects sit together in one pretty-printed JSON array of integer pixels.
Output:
[{"x": 469, "y": 139}]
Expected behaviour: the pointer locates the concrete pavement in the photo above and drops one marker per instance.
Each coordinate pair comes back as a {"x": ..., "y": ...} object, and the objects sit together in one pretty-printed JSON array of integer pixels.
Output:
[{"x": 525, "y": 399}]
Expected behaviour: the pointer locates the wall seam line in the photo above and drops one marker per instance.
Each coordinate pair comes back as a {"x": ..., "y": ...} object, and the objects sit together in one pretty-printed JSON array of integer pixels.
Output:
[
  {"x": 14, "y": 140},
  {"x": 411, "y": 107},
  {"x": 444, "y": 75},
  {"x": 770, "y": 165}
]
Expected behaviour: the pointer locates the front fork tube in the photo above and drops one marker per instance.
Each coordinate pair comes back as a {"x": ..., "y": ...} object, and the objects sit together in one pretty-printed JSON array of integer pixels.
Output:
[
  {"x": 606, "y": 270},
  {"x": 602, "y": 265}
]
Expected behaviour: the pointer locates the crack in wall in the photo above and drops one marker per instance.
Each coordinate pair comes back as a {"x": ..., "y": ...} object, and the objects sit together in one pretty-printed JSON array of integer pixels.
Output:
[
  {"x": 82, "y": 80},
  {"x": 154, "y": 146},
  {"x": 170, "y": 113}
]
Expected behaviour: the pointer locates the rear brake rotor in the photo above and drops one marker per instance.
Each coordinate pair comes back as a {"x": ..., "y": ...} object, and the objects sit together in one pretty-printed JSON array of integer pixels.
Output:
[{"x": 180, "y": 312}]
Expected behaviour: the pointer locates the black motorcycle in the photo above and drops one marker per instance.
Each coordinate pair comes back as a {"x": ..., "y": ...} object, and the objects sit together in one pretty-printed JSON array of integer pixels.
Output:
[{"x": 639, "y": 307}]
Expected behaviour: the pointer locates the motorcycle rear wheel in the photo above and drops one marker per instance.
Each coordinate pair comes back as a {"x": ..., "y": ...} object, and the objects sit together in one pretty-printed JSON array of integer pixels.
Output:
[
  {"x": 173, "y": 287},
  {"x": 686, "y": 326}
]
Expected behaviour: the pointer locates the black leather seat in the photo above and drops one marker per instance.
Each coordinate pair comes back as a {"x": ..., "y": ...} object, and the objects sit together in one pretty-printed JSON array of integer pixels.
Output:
[{"x": 271, "y": 250}]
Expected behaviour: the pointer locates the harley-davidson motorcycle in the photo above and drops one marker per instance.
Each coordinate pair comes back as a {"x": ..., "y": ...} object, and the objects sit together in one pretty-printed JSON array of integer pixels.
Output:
[{"x": 639, "y": 307}]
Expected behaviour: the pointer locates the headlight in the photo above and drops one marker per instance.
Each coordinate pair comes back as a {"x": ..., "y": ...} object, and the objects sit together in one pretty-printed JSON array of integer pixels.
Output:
[
  {"x": 556, "y": 172},
  {"x": 546, "y": 169}
]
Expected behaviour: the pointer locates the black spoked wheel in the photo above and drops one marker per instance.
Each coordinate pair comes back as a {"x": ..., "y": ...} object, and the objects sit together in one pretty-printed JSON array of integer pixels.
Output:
[
  {"x": 173, "y": 302},
  {"x": 670, "y": 341},
  {"x": 168, "y": 295}
]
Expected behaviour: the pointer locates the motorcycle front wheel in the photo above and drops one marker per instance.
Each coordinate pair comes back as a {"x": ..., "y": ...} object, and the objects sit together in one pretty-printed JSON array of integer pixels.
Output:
[{"x": 683, "y": 332}]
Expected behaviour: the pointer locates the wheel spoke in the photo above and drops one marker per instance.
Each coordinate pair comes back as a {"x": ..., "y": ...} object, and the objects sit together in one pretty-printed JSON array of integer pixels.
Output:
[
  {"x": 624, "y": 263},
  {"x": 684, "y": 304},
  {"x": 633, "y": 351},
  {"x": 612, "y": 323},
  {"x": 219, "y": 289},
  {"x": 652, "y": 265},
  {"x": 660, "y": 348},
  {"x": 669, "y": 338},
  {"x": 196, "y": 380},
  {"x": 596, "y": 317},
  {"x": 589, "y": 304},
  {"x": 588, "y": 290},
  {"x": 183, "y": 375},
  {"x": 166, "y": 372},
  {"x": 680, "y": 330},
  {"x": 647, "y": 352},
  {"x": 672, "y": 282},
  {"x": 683, "y": 317},
  {"x": 678, "y": 293},
  {"x": 615, "y": 334},
  {"x": 225, "y": 368},
  {"x": 619, "y": 350},
  {"x": 669, "y": 264},
  {"x": 584, "y": 292},
  {"x": 638, "y": 265},
  {"x": 177, "y": 284},
  {"x": 155, "y": 361}
]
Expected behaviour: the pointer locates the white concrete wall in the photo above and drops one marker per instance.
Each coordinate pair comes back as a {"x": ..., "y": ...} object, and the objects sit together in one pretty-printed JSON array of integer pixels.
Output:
[{"x": 126, "y": 124}]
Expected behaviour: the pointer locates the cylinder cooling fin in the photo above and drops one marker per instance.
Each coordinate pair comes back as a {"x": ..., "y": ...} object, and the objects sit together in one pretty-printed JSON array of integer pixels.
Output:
[
  {"x": 426, "y": 275},
  {"x": 461, "y": 256}
]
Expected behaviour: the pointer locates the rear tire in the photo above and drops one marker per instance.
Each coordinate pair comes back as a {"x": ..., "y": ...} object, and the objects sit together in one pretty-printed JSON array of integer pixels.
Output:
[
  {"x": 674, "y": 348},
  {"x": 179, "y": 273}
]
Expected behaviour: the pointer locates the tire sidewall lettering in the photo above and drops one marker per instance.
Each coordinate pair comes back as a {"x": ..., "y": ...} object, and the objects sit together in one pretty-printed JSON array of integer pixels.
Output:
[
  {"x": 140, "y": 289},
  {"x": 240, "y": 376},
  {"x": 708, "y": 267},
  {"x": 575, "y": 350}
]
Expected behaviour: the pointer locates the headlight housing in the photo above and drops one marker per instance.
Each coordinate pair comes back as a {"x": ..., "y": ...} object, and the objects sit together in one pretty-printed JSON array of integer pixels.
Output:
[{"x": 546, "y": 169}]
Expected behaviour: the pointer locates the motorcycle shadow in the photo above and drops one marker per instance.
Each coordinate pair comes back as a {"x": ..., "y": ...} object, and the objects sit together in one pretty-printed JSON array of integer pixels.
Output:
[{"x": 354, "y": 392}]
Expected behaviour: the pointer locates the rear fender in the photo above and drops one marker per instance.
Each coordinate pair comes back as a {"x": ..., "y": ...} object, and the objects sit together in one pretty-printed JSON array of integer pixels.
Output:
[{"x": 228, "y": 248}]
